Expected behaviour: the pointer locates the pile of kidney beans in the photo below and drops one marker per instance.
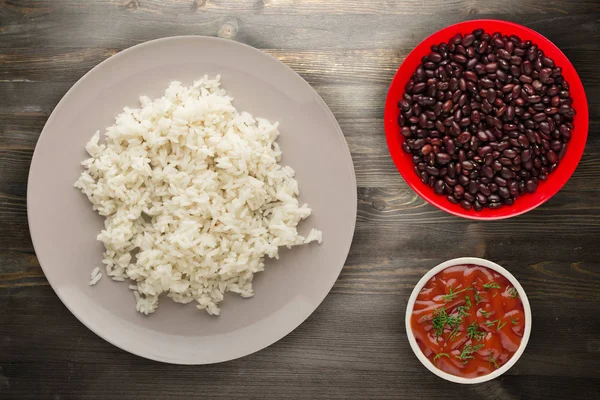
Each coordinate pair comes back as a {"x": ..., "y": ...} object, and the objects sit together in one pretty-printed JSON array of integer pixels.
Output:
[{"x": 486, "y": 117}]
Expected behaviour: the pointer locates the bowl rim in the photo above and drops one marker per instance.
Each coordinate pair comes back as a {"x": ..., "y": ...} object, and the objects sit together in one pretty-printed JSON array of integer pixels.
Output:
[
  {"x": 484, "y": 263},
  {"x": 440, "y": 202}
]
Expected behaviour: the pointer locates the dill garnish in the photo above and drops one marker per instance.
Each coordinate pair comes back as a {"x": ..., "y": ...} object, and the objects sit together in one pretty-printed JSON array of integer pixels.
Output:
[
  {"x": 491, "y": 285},
  {"x": 440, "y": 355},
  {"x": 500, "y": 325},
  {"x": 467, "y": 352},
  {"x": 453, "y": 334},
  {"x": 467, "y": 302},
  {"x": 491, "y": 360},
  {"x": 440, "y": 319},
  {"x": 474, "y": 333},
  {"x": 478, "y": 297},
  {"x": 452, "y": 294}
]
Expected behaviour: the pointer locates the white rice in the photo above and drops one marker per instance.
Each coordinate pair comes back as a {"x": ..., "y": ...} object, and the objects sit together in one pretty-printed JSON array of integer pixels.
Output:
[
  {"x": 95, "y": 276},
  {"x": 193, "y": 195}
]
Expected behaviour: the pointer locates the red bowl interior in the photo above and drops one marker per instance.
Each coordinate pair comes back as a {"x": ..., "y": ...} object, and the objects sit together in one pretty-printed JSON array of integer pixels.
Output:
[{"x": 525, "y": 202}]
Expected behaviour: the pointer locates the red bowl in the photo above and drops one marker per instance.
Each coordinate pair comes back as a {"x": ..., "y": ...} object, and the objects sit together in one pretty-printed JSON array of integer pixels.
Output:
[{"x": 525, "y": 202}]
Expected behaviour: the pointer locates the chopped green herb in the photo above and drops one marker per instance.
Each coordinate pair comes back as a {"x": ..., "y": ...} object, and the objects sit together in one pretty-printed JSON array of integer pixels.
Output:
[
  {"x": 513, "y": 292},
  {"x": 462, "y": 311},
  {"x": 500, "y": 325},
  {"x": 440, "y": 355},
  {"x": 440, "y": 318},
  {"x": 484, "y": 313},
  {"x": 478, "y": 298},
  {"x": 514, "y": 321},
  {"x": 490, "y": 323},
  {"x": 495, "y": 294},
  {"x": 452, "y": 294},
  {"x": 467, "y": 302},
  {"x": 491, "y": 360},
  {"x": 474, "y": 333},
  {"x": 454, "y": 322},
  {"x": 453, "y": 334},
  {"x": 467, "y": 352},
  {"x": 491, "y": 285}
]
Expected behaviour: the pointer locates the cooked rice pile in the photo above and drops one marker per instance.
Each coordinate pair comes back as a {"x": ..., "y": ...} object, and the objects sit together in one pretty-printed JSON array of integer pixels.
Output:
[{"x": 193, "y": 195}]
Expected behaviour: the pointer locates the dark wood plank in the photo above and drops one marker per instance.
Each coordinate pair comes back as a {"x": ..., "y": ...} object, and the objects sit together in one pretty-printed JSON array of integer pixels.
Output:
[
  {"x": 354, "y": 345},
  {"x": 91, "y": 24}
]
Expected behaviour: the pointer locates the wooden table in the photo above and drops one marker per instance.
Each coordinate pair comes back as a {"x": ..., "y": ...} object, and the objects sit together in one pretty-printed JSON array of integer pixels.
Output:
[{"x": 354, "y": 345}]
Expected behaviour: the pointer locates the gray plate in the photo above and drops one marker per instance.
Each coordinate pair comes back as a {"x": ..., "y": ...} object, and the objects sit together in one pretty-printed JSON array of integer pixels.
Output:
[{"x": 64, "y": 227}]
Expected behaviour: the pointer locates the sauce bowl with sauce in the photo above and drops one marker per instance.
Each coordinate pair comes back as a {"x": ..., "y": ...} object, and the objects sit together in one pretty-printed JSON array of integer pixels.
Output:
[{"x": 468, "y": 320}]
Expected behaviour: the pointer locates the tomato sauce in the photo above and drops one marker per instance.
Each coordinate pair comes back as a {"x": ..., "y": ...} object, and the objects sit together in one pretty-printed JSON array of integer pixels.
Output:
[{"x": 468, "y": 320}]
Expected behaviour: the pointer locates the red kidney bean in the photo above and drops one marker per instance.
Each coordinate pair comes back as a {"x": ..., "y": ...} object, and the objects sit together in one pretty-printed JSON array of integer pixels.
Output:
[
  {"x": 425, "y": 150},
  {"x": 509, "y": 153},
  {"x": 500, "y": 181},
  {"x": 494, "y": 198},
  {"x": 556, "y": 145},
  {"x": 451, "y": 182},
  {"x": 487, "y": 172},
  {"x": 459, "y": 58},
  {"x": 565, "y": 132},
  {"x": 513, "y": 188},
  {"x": 506, "y": 173},
  {"x": 545, "y": 75},
  {"x": 468, "y": 197},
  {"x": 442, "y": 158},
  {"x": 468, "y": 40},
  {"x": 465, "y": 204},
  {"x": 485, "y": 190},
  {"x": 439, "y": 186},
  {"x": 473, "y": 187},
  {"x": 491, "y": 67},
  {"x": 548, "y": 62},
  {"x": 434, "y": 57},
  {"x": 501, "y": 75},
  {"x": 498, "y": 42},
  {"x": 504, "y": 192}
]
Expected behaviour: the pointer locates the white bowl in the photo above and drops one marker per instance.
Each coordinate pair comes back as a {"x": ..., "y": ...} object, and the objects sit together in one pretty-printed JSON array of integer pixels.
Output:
[{"x": 463, "y": 261}]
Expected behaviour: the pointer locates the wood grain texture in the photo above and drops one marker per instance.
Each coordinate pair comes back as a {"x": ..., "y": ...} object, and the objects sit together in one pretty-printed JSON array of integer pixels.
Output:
[{"x": 354, "y": 345}]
